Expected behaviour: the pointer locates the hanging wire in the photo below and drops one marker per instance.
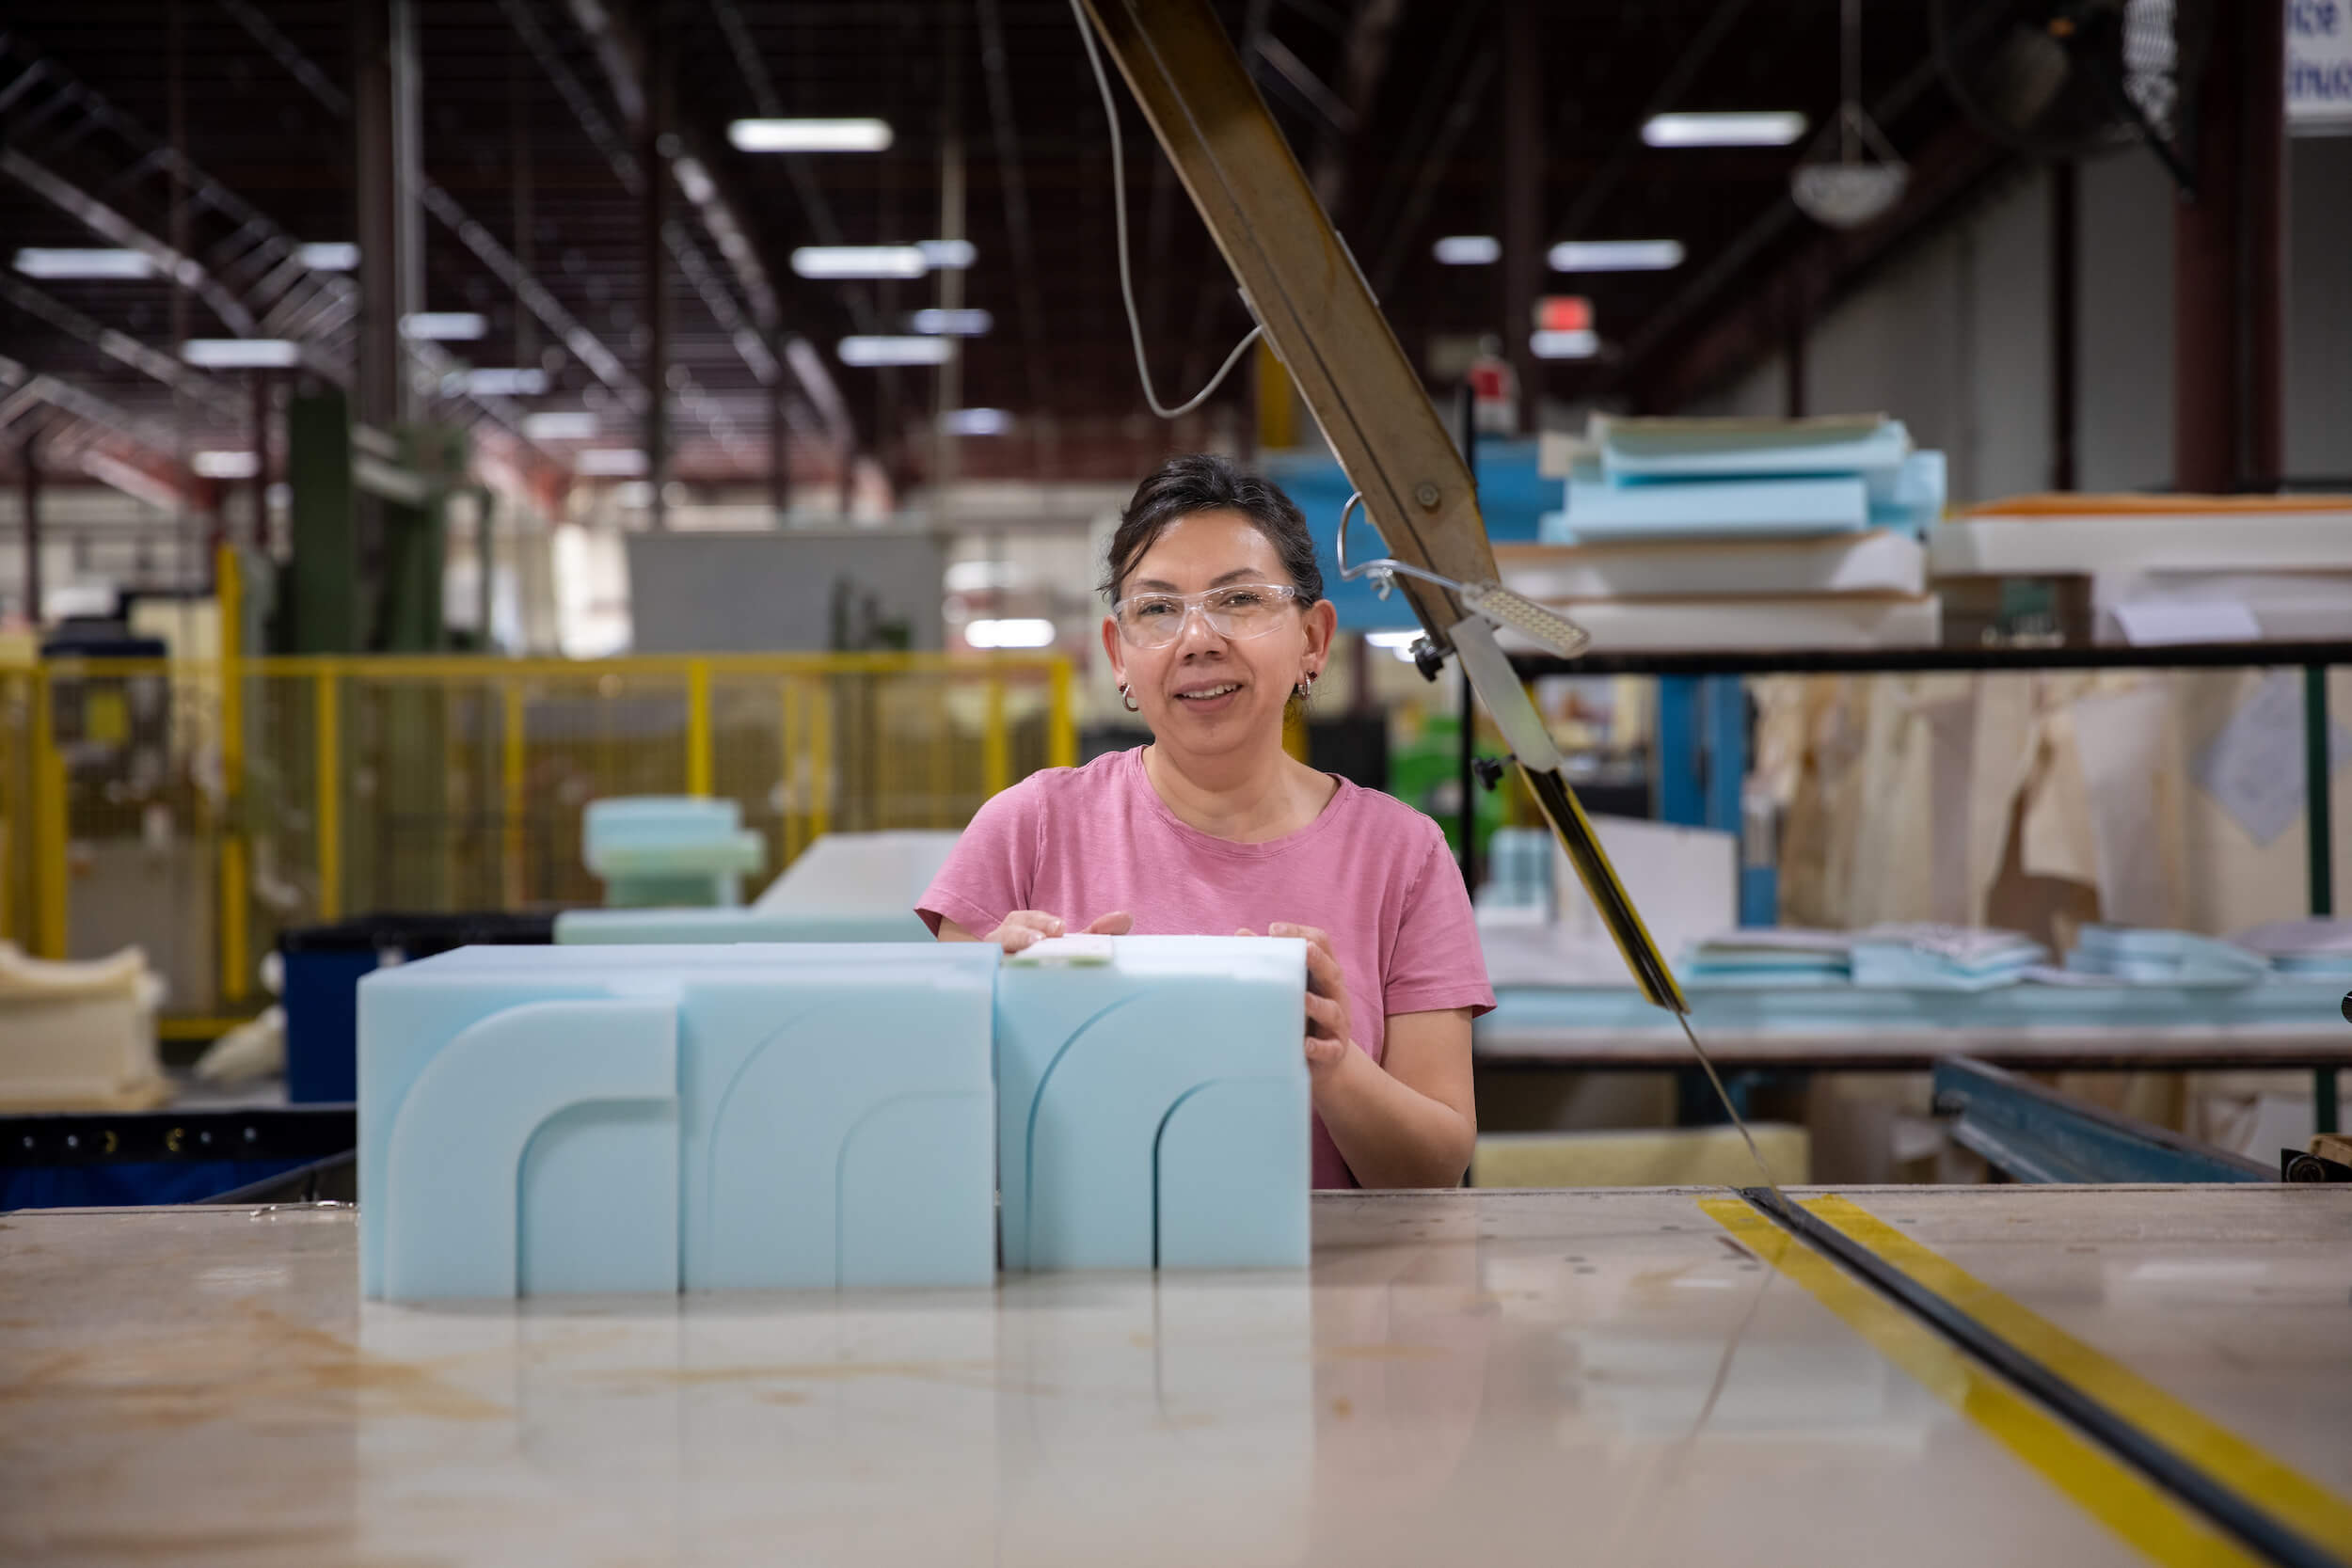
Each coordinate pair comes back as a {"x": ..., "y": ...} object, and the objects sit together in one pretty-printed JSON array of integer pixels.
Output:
[{"x": 1126, "y": 277}]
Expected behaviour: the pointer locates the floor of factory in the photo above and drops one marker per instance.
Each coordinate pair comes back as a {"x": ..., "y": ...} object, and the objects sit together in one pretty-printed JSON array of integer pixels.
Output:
[{"x": 1489, "y": 1377}]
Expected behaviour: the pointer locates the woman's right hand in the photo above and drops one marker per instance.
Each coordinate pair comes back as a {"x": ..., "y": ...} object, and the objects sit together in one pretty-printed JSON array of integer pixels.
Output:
[{"x": 1024, "y": 927}]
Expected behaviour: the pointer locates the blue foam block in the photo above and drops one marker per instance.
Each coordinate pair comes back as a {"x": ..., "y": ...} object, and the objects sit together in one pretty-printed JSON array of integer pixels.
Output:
[
  {"x": 640, "y": 1118},
  {"x": 755, "y": 924},
  {"x": 1153, "y": 1107}
]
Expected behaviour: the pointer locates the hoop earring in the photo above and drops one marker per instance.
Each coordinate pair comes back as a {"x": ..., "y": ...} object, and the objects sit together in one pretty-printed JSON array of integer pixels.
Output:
[
  {"x": 1128, "y": 697},
  {"x": 1306, "y": 688}
]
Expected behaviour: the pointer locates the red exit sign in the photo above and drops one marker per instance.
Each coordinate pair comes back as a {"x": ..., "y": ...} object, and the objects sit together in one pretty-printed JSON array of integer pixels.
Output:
[{"x": 1564, "y": 313}]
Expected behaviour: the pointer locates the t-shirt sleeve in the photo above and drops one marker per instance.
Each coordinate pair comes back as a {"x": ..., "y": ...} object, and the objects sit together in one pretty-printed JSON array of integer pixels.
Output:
[
  {"x": 1438, "y": 961},
  {"x": 992, "y": 866}
]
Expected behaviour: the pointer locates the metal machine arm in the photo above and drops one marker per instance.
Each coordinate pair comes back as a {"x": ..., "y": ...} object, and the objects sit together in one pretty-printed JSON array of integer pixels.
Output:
[{"x": 1319, "y": 319}]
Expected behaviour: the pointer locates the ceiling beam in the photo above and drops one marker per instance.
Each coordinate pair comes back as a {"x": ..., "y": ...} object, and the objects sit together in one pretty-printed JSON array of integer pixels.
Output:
[{"x": 121, "y": 347}]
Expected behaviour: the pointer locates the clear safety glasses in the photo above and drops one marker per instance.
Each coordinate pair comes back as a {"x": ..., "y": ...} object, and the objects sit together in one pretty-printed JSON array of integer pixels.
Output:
[{"x": 1239, "y": 611}]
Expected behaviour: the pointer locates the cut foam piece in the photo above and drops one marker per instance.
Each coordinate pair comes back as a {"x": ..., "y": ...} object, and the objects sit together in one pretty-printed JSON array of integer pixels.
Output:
[
  {"x": 843, "y": 872},
  {"x": 655, "y": 850},
  {"x": 1731, "y": 508},
  {"x": 677, "y": 928},
  {"x": 824, "y": 1115},
  {"x": 1152, "y": 1104}
]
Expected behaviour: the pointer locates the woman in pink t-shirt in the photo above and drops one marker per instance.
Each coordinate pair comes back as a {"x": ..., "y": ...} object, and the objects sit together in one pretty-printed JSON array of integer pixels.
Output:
[{"x": 1217, "y": 622}]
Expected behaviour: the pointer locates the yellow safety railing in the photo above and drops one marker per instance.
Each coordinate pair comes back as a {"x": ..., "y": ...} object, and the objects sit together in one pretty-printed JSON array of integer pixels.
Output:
[{"x": 200, "y": 807}]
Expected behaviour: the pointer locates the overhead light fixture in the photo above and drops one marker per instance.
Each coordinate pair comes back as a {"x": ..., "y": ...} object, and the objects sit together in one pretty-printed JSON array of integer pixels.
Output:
[
  {"x": 975, "y": 422},
  {"x": 982, "y": 576},
  {"x": 894, "y": 351},
  {"x": 951, "y": 323},
  {"x": 36, "y": 261},
  {"x": 809, "y": 136},
  {"x": 1468, "y": 250},
  {"x": 498, "y": 382},
  {"x": 1617, "y": 255},
  {"x": 859, "y": 260},
  {"x": 1731, "y": 127},
  {"x": 225, "y": 464},
  {"x": 330, "y": 256},
  {"x": 1018, "y": 632},
  {"x": 241, "y": 354},
  {"x": 1397, "y": 643},
  {"x": 561, "y": 424},
  {"x": 947, "y": 255},
  {"x": 444, "y": 326},
  {"x": 612, "y": 462},
  {"x": 1576, "y": 343}
]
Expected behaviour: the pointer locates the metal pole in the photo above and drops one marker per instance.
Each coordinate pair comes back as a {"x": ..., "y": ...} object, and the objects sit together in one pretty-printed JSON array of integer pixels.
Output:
[
  {"x": 2208, "y": 384},
  {"x": 2064, "y": 284},
  {"x": 654, "y": 308},
  {"x": 385, "y": 137},
  {"x": 779, "y": 444},
  {"x": 948, "y": 387},
  {"x": 518, "y": 148},
  {"x": 260, "y": 540},
  {"x": 1465, "y": 771},
  {"x": 1523, "y": 200},
  {"x": 1792, "y": 356},
  {"x": 2262, "y": 221},
  {"x": 29, "y": 462}
]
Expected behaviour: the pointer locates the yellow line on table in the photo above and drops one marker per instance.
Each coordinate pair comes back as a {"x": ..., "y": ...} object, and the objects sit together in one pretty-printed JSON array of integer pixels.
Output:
[
  {"x": 2102, "y": 1485},
  {"x": 2255, "y": 1474}
]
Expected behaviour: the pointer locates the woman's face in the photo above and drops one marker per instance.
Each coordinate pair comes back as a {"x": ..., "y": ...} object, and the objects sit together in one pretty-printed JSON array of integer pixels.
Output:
[{"x": 1206, "y": 692}]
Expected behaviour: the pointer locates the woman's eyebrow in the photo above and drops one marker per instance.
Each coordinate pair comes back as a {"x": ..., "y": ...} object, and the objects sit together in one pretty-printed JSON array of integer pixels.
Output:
[{"x": 1239, "y": 574}]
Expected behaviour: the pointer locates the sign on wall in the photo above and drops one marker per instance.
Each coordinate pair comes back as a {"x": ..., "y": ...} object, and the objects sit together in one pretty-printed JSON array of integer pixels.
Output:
[{"x": 2319, "y": 68}]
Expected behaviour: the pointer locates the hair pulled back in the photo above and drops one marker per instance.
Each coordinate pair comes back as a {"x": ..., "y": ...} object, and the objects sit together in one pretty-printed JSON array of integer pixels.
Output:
[{"x": 1203, "y": 482}]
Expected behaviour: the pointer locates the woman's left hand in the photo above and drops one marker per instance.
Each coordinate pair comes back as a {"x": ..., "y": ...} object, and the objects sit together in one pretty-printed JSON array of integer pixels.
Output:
[{"x": 1328, "y": 1040}]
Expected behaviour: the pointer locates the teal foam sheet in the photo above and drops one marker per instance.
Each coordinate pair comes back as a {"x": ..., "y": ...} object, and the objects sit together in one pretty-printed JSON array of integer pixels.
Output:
[
  {"x": 726, "y": 925},
  {"x": 1152, "y": 1106},
  {"x": 641, "y": 1118}
]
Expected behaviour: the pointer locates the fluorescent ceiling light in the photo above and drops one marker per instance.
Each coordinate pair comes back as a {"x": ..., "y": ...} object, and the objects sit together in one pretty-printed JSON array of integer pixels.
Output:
[
  {"x": 1582, "y": 344},
  {"x": 330, "y": 256},
  {"x": 1468, "y": 250},
  {"x": 952, "y": 324},
  {"x": 223, "y": 464},
  {"x": 947, "y": 255},
  {"x": 444, "y": 326},
  {"x": 809, "y": 136},
  {"x": 612, "y": 462},
  {"x": 35, "y": 262},
  {"x": 561, "y": 424},
  {"x": 976, "y": 421},
  {"x": 896, "y": 351},
  {"x": 1735, "y": 128},
  {"x": 241, "y": 354},
  {"x": 498, "y": 382},
  {"x": 1020, "y": 632},
  {"x": 982, "y": 576},
  {"x": 859, "y": 260},
  {"x": 1617, "y": 255}
]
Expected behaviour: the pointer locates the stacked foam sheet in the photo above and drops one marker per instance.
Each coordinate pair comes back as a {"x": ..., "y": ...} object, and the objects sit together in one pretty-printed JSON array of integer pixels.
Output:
[
  {"x": 632, "y": 1119},
  {"x": 845, "y": 887},
  {"x": 1743, "y": 533},
  {"x": 669, "y": 850},
  {"x": 2319, "y": 947},
  {"x": 1882, "y": 958},
  {"x": 2173, "y": 568},
  {"x": 2143, "y": 957}
]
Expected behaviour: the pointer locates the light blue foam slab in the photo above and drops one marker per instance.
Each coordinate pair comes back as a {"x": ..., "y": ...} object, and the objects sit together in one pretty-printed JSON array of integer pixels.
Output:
[
  {"x": 1602, "y": 513},
  {"x": 755, "y": 924},
  {"x": 1152, "y": 1104},
  {"x": 643, "y": 1117},
  {"x": 655, "y": 851}
]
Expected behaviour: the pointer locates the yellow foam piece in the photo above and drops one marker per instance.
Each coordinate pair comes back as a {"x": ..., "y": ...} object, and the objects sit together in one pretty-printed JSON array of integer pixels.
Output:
[{"x": 1646, "y": 1157}]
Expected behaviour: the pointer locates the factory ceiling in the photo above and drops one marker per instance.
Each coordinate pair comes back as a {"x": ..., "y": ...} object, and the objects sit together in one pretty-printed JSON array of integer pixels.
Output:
[{"x": 216, "y": 136}]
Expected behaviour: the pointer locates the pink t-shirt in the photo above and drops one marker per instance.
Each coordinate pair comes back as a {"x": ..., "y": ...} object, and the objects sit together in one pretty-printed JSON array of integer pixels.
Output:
[{"x": 1376, "y": 874}]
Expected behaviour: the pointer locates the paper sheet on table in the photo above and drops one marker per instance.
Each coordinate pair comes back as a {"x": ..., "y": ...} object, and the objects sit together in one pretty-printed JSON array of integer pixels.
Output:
[
  {"x": 2254, "y": 766},
  {"x": 2155, "y": 623},
  {"x": 1685, "y": 881},
  {"x": 2127, "y": 747}
]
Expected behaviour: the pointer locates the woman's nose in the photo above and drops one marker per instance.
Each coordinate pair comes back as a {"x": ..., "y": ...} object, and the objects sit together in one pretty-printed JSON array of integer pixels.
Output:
[{"x": 1195, "y": 616}]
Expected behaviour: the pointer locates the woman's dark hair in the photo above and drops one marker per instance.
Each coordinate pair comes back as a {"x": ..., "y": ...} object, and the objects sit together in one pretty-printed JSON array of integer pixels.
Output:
[{"x": 1203, "y": 482}]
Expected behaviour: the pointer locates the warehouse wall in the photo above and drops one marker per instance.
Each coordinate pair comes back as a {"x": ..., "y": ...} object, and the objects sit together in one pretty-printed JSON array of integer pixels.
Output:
[{"x": 1953, "y": 337}]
